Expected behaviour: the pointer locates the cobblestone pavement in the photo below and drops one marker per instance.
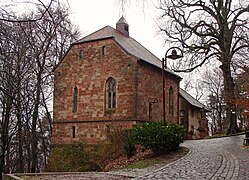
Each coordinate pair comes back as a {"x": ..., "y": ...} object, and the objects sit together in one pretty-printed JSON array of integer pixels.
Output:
[
  {"x": 221, "y": 158},
  {"x": 69, "y": 176},
  {"x": 212, "y": 159}
]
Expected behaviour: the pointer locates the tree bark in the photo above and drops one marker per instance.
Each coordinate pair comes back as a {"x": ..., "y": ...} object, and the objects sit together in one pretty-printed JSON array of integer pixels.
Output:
[
  {"x": 5, "y": 132},
  {"x": 20, "y": 166},
  {"x": 229, "y": 96},
  {"x": 219, "y": 110},
  {"x": 34, "y": 140},
  {"x": 1, "y": 167}
]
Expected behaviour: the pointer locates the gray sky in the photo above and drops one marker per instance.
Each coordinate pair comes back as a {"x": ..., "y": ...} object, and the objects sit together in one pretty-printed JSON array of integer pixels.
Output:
[{"x": 91, "y": 15}]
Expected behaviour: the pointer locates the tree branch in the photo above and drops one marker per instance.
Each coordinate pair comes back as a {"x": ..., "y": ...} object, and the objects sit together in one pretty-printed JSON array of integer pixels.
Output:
[
  {"x": 198, "y": 65},
  {"x": 234, "y": 21},
  {"x": 31, "y": 20}
]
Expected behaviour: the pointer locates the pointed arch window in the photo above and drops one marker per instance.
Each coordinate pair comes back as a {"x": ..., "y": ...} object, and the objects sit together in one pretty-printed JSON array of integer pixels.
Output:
[
  {"x": 171, "y": 101},
  {"x": 110, "y": 98},
  {"x": 75, "y": 99}
]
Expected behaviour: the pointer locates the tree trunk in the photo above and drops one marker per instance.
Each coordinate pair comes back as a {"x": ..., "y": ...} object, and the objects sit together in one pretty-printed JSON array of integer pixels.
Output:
[
  {"x": 220, "y": 117},
  {"x": 5, "y": 130},
  {"x": 229, "y": 96},
  {"x": 28, "y": 148},
  {"x": 20, "y": 166},
  {"x": 7, "y": 161},
  {"x": 1, "y": 167},
  {"x": 34, "y": 140}
]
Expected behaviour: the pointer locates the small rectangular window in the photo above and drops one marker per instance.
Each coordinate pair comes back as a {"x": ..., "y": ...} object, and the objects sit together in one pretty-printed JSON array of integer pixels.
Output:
[
  {"x": 103, "y": 51},
  {"x": 73, "y": 131},
  {"x": 81, "y": 54}
]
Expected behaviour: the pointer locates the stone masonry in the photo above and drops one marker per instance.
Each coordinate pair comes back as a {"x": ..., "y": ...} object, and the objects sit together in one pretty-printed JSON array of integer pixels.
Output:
[{"x": 138, "y": 83}]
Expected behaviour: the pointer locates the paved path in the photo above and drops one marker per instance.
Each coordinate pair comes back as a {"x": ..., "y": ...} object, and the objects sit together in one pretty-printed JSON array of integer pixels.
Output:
[
  {"x": 213, "y": 159},
  {"x": 221, "y": 158}
]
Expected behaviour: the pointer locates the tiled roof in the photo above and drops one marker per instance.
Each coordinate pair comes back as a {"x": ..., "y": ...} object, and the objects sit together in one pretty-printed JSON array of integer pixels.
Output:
[
  {"x": 129, "y": 44},
  {"x": 190, "y": 99},
  {"x": 122, "y": 20}
]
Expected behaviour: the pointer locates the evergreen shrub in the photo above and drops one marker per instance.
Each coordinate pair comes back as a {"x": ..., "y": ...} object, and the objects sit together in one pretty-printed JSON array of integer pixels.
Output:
[
  {"x": 158, "y": 137},
  {"x": 129, "y": 145}
]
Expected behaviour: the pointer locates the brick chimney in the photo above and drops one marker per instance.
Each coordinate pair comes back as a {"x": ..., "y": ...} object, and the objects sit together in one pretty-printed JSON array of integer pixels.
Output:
[{"x": 122, "y": 26}]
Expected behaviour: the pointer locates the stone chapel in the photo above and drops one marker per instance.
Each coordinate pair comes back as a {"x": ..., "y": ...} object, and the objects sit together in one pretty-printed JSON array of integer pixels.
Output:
[{"x": 107, "y": 80}]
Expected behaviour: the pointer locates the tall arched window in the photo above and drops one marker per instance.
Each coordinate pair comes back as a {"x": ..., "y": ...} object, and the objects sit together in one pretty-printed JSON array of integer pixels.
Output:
[
  {"x": 110, "y": 99},
  {"x": 171, "y": 101},
  {"x": 75, "y": 99}
]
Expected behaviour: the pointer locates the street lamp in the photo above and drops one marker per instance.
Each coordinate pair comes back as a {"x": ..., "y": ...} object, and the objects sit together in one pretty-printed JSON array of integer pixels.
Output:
[{"x": 173, "y": 56}]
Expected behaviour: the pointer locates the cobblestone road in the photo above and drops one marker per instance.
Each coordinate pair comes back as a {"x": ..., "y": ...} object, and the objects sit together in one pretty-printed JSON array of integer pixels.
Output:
[
  {"x": 213, "y": 159},
  {"x": 221, "y": 158}
]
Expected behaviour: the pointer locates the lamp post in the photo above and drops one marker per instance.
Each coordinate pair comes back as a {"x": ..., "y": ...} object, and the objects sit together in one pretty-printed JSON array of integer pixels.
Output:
[{"x": 173, "y": 56}]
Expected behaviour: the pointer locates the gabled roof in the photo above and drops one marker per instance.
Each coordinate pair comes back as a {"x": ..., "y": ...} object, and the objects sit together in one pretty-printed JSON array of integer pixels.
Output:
[
  {"x": 191, "y": 100},
  {"x": 129, "y": 44},
  {"x": 122, "y": 20}
]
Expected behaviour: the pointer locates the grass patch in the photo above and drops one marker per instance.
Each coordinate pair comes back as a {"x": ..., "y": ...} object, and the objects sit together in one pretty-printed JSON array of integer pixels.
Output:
[
  {"x": 5, "y": 177},
  {"x": 25, "y": 177},
  {"x": 143, "y": 164},
  {"x": 162, "y": 159}
]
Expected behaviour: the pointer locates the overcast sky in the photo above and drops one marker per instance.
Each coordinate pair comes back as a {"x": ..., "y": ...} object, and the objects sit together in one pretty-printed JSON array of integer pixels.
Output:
[{"x": 91, "y": 15}]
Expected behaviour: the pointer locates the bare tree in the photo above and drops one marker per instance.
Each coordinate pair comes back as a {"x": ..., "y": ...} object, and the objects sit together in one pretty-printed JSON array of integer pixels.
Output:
[
  {"x": 213, "y": 85},
  {"x": 209, "y": 31},
  {"x": 48, "y": 39},
  {"x": 7, "y": 95},
  {"x": 29, "y": 52},
  {"x": 7, "y": 13}
]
